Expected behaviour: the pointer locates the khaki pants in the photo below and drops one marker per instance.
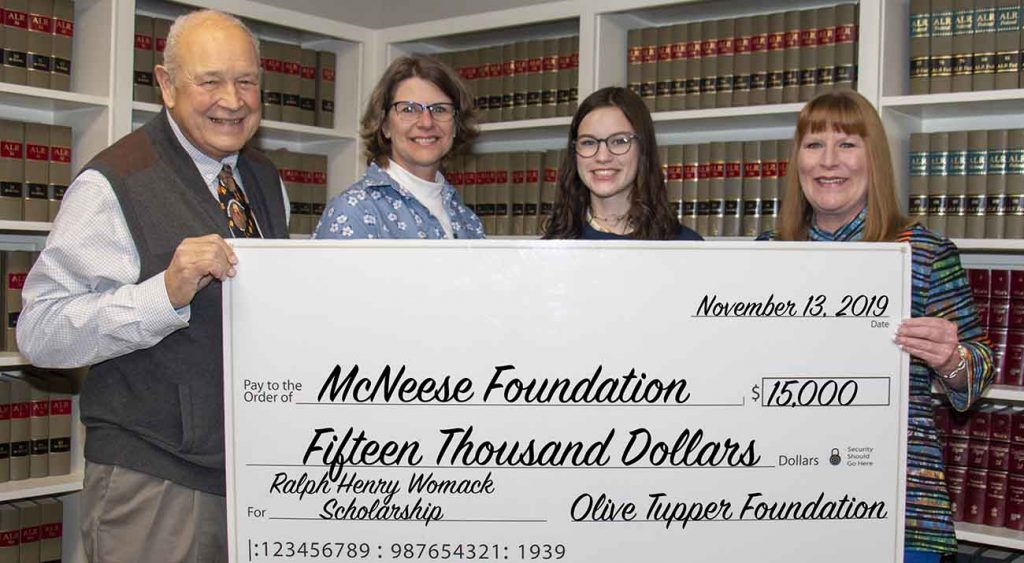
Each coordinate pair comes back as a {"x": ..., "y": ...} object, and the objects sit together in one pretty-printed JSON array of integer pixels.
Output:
[{"x": 130, "y": 517}]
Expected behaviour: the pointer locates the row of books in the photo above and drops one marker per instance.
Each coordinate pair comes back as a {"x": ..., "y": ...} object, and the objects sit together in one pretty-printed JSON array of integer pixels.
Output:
[
  {"x": 35, "y": 41},
  {"x": 35, "y": 169},
  {"x": 35, "y": 425},
  {"x": 31, "y": 531},
  {"x": 298, "y": 85},
  {"x": 14, "y": 268},
  {"x": 969, "y": 184},
  {"x": 522, "y": 80},
  {"x": 964, "y": 45},
  {"x": 726, "y": 188},
  {"x": 999, "y": 299},
  {"x": 305, "y": 179},
  {"x": 766, "y": 59},
  {"x": 984, "y": 456}
]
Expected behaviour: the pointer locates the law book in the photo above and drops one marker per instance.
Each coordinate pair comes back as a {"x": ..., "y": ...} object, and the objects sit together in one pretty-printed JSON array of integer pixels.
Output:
[
  {"x": 39, "y": 61},
  {"x": 785, "y": 153},
  {"x": 565, "y": 76},
  {"x": 977, "y": 174},
  {"x": 143, "y": 63},
  {"x": 51, "y": 528},
  {"x": 956, "y": 199},
  {"x": 1015, "y": 502},
  {"x": 770, "y": 187},
  {"x": 845, "y": 65},
  {"x": 63, "y": 36},
  {"x": 549, "y": 94},
  {"x": 508, "y": 79},
  {"x": 12, "y": 169},
  {"x": 291, "y": 83},
  {"x": 649, "y": 66},
  {"x": 307, "y": 87},
  {"x": 532, "y": 218},
  {"x": 479, "y": 74},
  {"x": 316, "y": 164},
  {"x": 325, "y": 75},
  {"x": 29, "y": 517},
  {"x": 726, "y": 61},
  {"x": 941, "y": 47},
  {"x": 741, "y": 61},
  {"x": 522, "y": 70},
  {"x": 1007, "y": 44},
  {"x": 938, "y": 180},
  {"x": 826, "y": 56},
  {"x": 39, "y": 428},
  {"x": 995, "y": 192},
  {"x": 703, "y": 188},
  {"x": 485, "y": 196},
  {"x": 517, "y": 192},
  {"x": 663, "y": 70},
  {"x": 995, "y": 499},
  {"x": 59, "y": 437},
  {"x": 10, "y": 533},
  {"x": 694, "y": 46},
  {"x": 495, "y": 81},
  {"x": 21, "y": 440},
  {"x": 758, "y": 61},
  {"x": 469, "y": 182},
  {"x": 963, "y": 37},
  {"x": 690, "y": 191},
  {"x": 1013, "y": 361},
  {"x": 677, "y": 99},
  {"x": 1014, "y": 221},
  {"x": 956, "y": 483},
  {"x": 36, "y": 205},
  {"x": 984, "y": 45},
  {"x": 733, "y": 190},
  {"x": 751, "y": 222},
  {"x": 708, "y": 63},
  {"x": 808, "y": 54},
  {"x": 920, "y": 38},
  {"x": 534, "y": 77},
  {"x": 793, "y": 58},
  {"x": 16, "y": 265},
  {"x": 918, "y": 208},
  {"x": 776, "y": 58},
  {"x": 549, "y": 185},
  {"x": 716, "y": 188},
  {"x": 663, "y": 164},
  {"x": 273, "y": 80},
  {"x": 160, "y": 29},
  {"x": 974, "y": 495},
  {"x": 574, "y": 75},
  {"x": 503, "y": 202},
  {"x": 5, "y": 431},
  {"x": 674, "y": 180}
]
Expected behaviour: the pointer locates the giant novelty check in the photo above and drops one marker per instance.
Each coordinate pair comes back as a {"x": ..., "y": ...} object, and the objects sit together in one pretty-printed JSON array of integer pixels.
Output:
[{"x": 566, "y": 401}]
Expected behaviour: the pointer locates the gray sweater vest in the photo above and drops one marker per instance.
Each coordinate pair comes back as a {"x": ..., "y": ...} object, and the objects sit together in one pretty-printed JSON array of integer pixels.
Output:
[{"x": 160, "y": 410}]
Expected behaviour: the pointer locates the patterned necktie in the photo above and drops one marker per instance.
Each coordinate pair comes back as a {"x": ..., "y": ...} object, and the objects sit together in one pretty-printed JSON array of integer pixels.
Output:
[{"x": 235, "y": 206}]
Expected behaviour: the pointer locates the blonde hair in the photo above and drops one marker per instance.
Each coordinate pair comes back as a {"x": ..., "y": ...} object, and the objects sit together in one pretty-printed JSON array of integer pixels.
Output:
[{"x": 848, "y": 112}]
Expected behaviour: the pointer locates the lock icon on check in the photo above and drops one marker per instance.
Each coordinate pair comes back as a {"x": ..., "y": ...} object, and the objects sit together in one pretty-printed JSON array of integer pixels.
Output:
[{"x": 835, "y": 459}]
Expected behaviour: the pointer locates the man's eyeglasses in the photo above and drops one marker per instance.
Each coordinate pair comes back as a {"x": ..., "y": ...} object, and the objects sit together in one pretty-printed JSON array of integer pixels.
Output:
[
  {"x": 410, "y": 111},
  {"x": 618, "y": 144}
]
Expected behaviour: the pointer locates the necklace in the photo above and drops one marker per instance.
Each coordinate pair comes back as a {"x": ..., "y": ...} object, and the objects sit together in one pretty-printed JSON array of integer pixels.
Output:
[{"x": 611, "y": 223}]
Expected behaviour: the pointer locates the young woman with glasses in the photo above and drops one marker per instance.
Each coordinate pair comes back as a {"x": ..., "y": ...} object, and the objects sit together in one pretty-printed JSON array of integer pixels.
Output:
[
  {"x": 417, "y": 115},
  {"x": 610, "y": 184}
]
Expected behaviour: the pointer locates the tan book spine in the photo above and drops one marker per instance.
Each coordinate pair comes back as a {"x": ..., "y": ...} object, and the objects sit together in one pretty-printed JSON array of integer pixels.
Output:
[
  {"x": 39, "y": 62},
  {"x": 758, "y": 61},
  {"x": 59, "y": 445},
  {"x": 10, "y": 533},
  {"x": 325, "y": 64},
  {"x": 663, "y": 164},
  {"x": 143, "y": 63},
  {"x": 845, "y": 70},
  {"x": 21, "y": 415},
  {"x": 495, "y": 81},
  {"x": 708, "y": 63},
  {"x": 533, "y": 216},
  {"x": 574, "y": 76},
  {"x": 508, "y": 80},
  {"x": 37, "y": 172},
  {"x": 63, "y": 39},
  {"x": 1015, "y": 184},
  {"x": 486, "y": 192},
  {"x": 479, "y": 77},
  {"x": 941, "y": 45},
  {"x": 808, "y": 53},
  {"x": 12, "y": 169},
  {"x": 291, "y": 83},
  {"x": 160, "y": 29},
  {"x": 920, "y": 39},
  {"x": 977, "y": 173},
  {"x": 963, "y": 39},
  {"x": 314, "y": 168},
  {"x": 663, "y": 70},
  {"x": 716, "y": 189},
  {"x": 674, "y": 183},
  {"x": 775, "y": 87},
  {"x": 726, "y": 65},
  {"x": 39, "y": 431},
  {"x": 307, "y": 89},
  {"x": 984, "y": 45},
  {"x": 273, "y": 81},
  {"x": 549, "y": 185},
  {"x": 522, "y": 80},
  {"x": 469, "y": 182},
  {"x": 288, "y": 166},
  {"x": 29, "y": 516},
  {"x": 694, "y": 44},
  {"x": 938, "y": 181},
  {"x": 751, "y": 223},
  {"x": 826, "y": 74},
  {"x": 517, "y": 191},
  {"x": 678, "y": 67},
  {"x": 792, "y": 61},
  {"x": 995, "y": 188},
  {"x": 703, "y": 188},
  {"x": 919, "y": 178},
  {"x": 534, "y": 78},
  {"x": 5, "y": 431},
  {"x": 51, "y": 528},
  {"x": 691, "y": 201},
  {"x": 744, "y": 37},
  {"x": 15, "y": 41},
  {"x": 502, "y": 195},
  {"x": 1007, "y": 44},
  {"x": 549, "y": 95},
  {"x": 956, "y": 201},
  {"x": 769, "y": 184},
  {"x": 785, "y": 153},
  {"x": 733, "y": 189},
  {"x": 649, "y": 66}
]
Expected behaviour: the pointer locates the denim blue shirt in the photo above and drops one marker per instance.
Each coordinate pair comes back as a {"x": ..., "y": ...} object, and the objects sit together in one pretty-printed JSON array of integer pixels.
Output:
[{"x": 377, "y": 207}]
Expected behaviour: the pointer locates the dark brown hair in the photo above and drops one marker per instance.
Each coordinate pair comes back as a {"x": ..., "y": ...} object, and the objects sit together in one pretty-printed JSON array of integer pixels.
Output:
[
  {"x": 649, "y": 212},
  {"x": 377, "y": 147}
]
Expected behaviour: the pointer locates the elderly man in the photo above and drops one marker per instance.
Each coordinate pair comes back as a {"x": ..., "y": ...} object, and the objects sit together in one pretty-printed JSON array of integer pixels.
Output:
[{"x": 126, "y": 285}]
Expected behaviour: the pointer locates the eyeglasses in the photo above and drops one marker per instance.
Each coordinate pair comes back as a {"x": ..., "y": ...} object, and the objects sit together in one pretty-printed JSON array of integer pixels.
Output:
[
  {"x": 618, "y": 144},
  {"x": 410, "y": 111}
]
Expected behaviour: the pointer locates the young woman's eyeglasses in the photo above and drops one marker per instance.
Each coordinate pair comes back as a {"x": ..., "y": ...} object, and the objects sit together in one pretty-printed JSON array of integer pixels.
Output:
[
  {"x": 618, "y": 144},
  {"x": 410, "y": 111}
]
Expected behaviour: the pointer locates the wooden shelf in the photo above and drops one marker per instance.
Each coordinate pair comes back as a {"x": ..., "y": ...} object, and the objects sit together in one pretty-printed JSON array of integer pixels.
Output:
[
  {"x": 999, "y": 537},
  {"x": 43, "y": 486},
  {"x": 12, "y": 359},
  {"x": 25, "y": 227},
  {"x": 276, "y": 131}
]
